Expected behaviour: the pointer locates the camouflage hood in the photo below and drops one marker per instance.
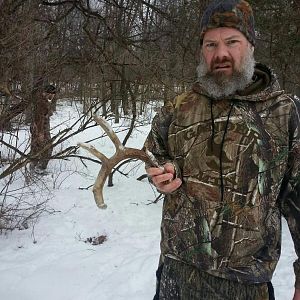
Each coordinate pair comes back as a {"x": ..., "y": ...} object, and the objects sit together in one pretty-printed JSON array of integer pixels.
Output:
[
  {"x": 239, "y": 162},
  {"x": 264, "y": 86}
]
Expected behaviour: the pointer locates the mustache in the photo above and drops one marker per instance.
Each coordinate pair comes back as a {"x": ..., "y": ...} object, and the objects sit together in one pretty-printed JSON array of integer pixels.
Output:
[{"x": 221, "y": 62}]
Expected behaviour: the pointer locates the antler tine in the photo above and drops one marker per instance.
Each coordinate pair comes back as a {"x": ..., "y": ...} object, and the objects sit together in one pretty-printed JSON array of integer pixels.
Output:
[
  {"x": 109, "y": 163},
  {"x": 93, "y": 151},
  {"x": 99, "y": 185},
  {"x": 109, "y": 131}
]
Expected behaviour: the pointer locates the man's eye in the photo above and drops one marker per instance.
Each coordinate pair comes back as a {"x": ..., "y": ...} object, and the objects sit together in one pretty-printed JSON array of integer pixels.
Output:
[
  {"x": 211, "y": 45},
  {"x": 232, "y": 42}
]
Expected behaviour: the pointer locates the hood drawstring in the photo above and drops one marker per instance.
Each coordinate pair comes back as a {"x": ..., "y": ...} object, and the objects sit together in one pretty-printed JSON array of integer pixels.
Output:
[
  {"x": 212, "y": 126},
  {"x": 222, "y": 143},
  {"x": 221, "y": 151}
]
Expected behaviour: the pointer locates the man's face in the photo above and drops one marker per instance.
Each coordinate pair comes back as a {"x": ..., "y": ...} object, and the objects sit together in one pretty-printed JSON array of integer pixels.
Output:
[
  {"x": 226, "y": 62},
  {"x": 223, "y": 50}
]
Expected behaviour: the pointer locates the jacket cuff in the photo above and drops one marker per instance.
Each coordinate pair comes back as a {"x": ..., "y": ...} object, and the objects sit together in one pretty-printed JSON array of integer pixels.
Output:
[{"x": 177, "y": 170}]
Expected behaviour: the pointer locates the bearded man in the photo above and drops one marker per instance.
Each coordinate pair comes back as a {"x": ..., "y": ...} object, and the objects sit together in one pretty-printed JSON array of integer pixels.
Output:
[{"x": 229, "y": 156}]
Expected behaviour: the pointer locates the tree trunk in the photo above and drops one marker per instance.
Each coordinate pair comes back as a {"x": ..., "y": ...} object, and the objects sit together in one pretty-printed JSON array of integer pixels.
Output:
[{"x": 41, "y": 145}]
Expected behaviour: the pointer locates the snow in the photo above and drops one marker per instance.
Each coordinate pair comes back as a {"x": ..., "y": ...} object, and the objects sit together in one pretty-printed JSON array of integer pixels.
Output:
[{"x": 51, "y": 259}]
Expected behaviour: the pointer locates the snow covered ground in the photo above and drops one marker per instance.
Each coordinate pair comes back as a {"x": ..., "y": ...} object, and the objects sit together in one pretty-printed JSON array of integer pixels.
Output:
[{"x": 52, "y": 260}]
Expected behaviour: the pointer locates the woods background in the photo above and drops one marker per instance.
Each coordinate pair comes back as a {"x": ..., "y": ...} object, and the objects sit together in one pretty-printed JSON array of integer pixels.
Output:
[
  {"x": 114, "y": 56},
  {"x": 114, "y": 51}
]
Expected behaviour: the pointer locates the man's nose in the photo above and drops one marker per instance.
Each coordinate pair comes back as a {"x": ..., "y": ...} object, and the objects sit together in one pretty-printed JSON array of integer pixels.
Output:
[{"x": 221, "y": 52}]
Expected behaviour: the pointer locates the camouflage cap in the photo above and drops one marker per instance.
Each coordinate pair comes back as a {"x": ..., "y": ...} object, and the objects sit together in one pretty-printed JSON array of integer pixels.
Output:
[{"x": 229, "y": 13}]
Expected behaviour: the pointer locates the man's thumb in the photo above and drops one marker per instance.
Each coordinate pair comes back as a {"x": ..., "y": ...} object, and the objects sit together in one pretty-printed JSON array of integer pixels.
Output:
[{"x": 169, "y": 168}]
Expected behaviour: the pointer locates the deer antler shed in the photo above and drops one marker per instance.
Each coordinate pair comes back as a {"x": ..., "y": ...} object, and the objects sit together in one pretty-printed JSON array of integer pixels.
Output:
[{"x": 108, "y": 164}]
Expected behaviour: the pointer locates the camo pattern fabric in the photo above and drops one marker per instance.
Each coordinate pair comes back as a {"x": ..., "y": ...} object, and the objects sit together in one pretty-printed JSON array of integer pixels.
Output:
[
  {"x": 182, "y": 282},
  {"x": 239, "y": 162}
]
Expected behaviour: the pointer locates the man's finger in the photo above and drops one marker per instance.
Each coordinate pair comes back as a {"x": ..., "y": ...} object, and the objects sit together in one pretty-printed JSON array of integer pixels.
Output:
[
  {"x": 169, "y": 168},
  {"x": 163, "y": 178},
  {"x": 155, "y": 171},
  {"x": 169, "y": 187}
]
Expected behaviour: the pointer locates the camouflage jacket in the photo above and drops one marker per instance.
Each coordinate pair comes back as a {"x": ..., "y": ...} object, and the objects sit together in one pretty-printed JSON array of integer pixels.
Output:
[{"x": 239, "y": 162}]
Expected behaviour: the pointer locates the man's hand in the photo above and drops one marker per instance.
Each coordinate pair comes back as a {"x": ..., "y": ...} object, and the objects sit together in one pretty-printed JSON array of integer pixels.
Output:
[
  {"x": 297, "y": 294},
  {"x": 163, "y": 178}
]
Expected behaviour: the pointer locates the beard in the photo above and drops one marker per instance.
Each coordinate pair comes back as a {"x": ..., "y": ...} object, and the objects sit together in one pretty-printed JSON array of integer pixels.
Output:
[{"x": 219, "y": 85}]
